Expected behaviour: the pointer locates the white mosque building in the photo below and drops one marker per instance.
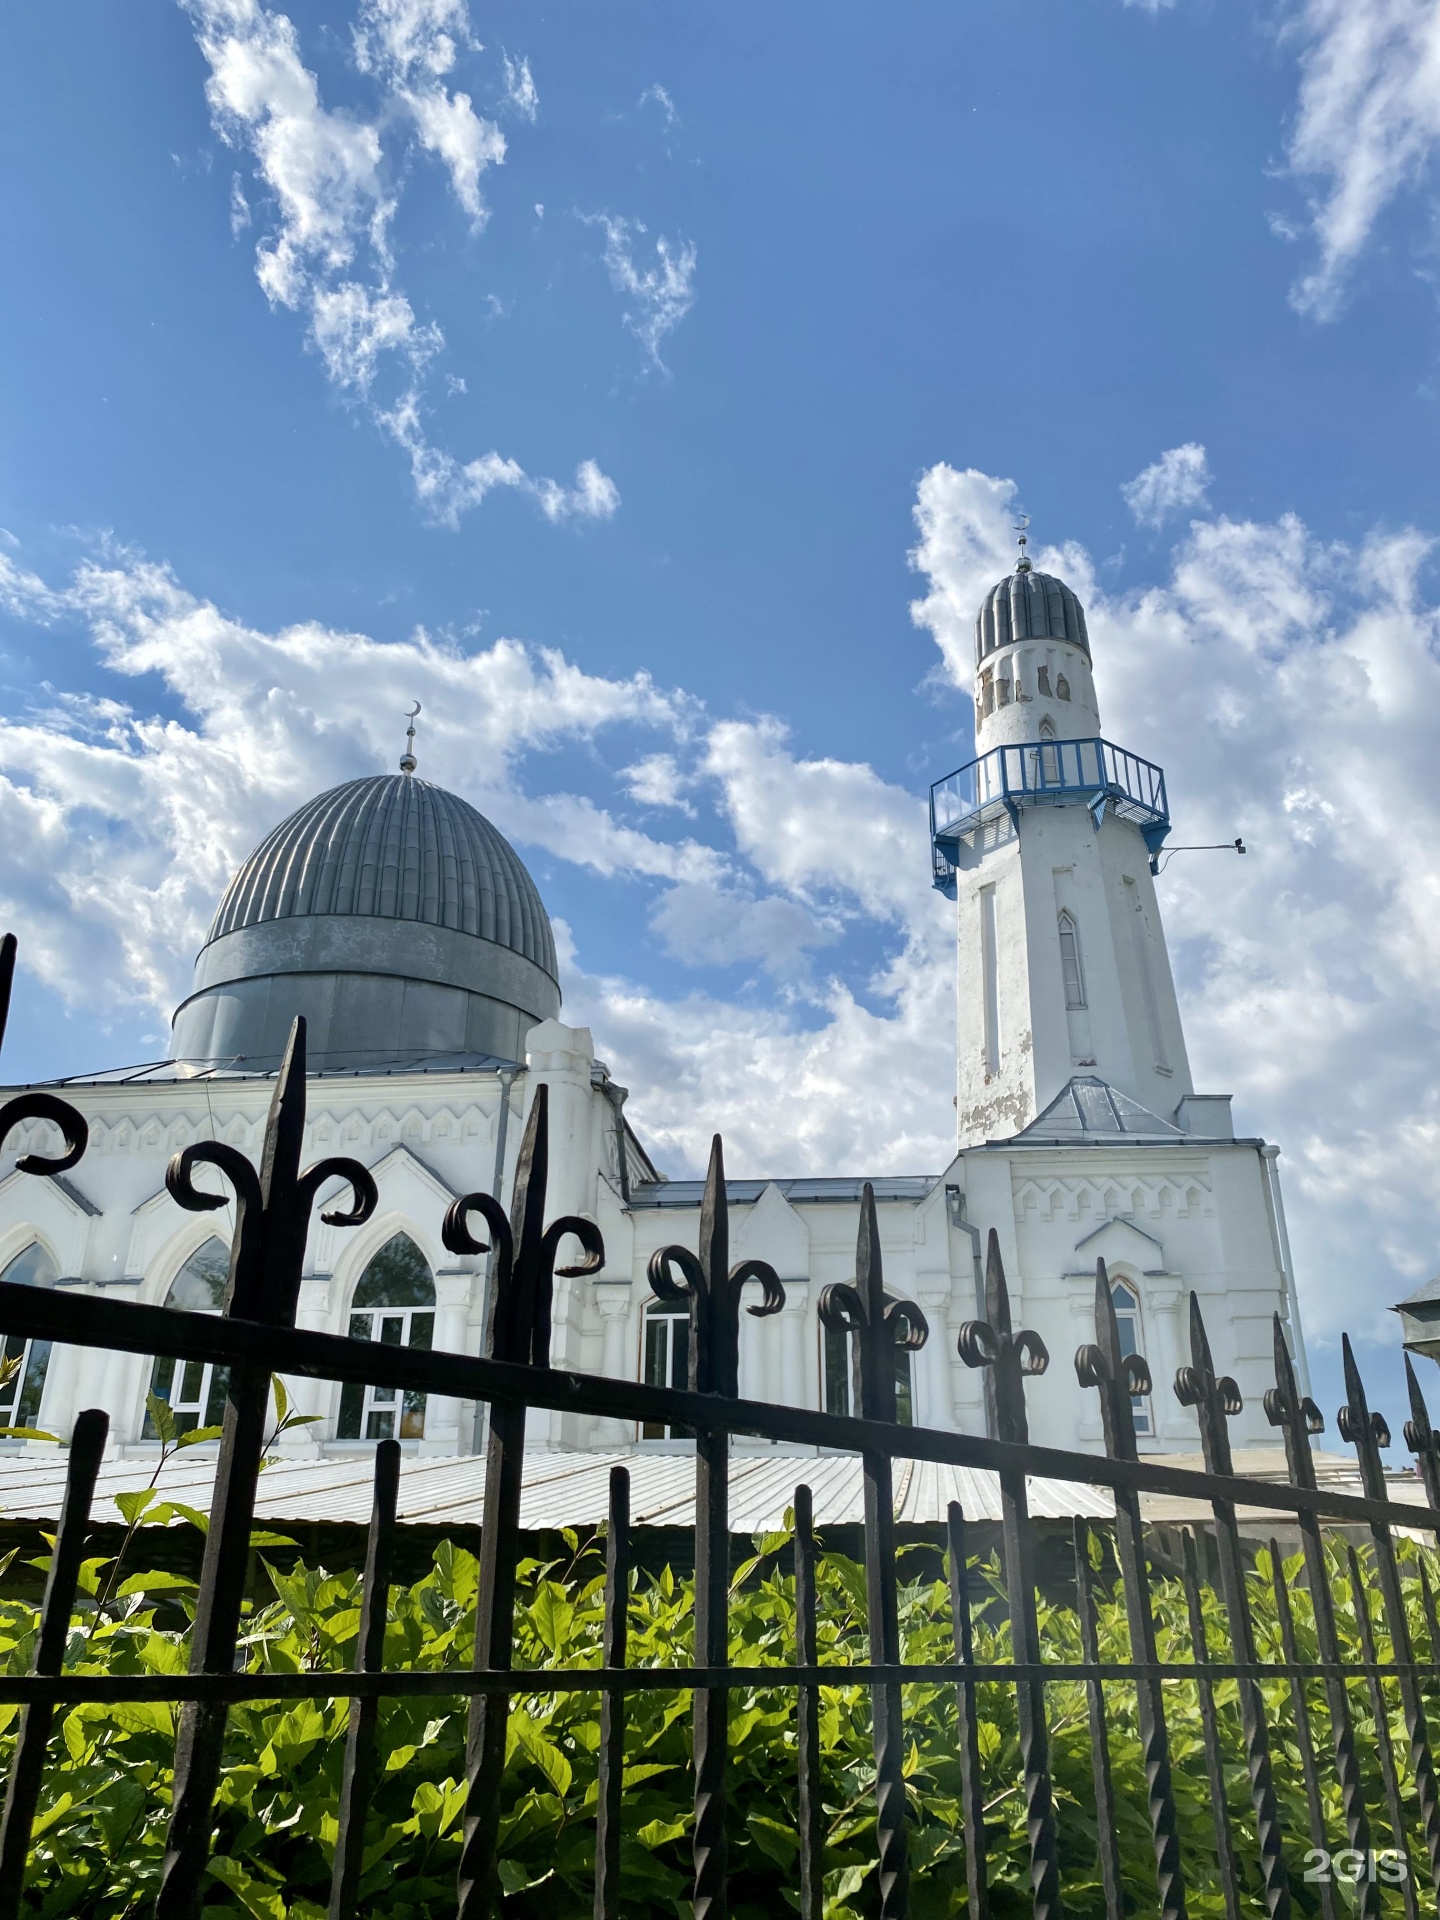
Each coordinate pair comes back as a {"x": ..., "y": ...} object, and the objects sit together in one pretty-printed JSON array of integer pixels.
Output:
[{"x": 409, "y": 933}]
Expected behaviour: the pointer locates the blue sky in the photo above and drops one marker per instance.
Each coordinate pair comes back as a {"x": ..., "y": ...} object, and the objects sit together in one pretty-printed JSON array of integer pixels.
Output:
[{"x": 649, "y": 392}]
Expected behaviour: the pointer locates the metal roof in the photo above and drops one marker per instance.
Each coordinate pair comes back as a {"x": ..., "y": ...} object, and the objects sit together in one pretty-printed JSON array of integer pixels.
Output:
[
  {"x": 165, "y": 1072},
  {"x": 1089, "y": 1108},
  {"x": 561, "y": 1489},
  {"x": 906, "y": 1187},
  {"x": 392, "y": 847}
]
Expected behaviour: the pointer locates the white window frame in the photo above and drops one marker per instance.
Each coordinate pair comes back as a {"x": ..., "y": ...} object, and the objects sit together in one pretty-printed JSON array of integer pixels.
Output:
[
  {"x": 674, "y": 1354},
  {"x": 1131, "y": 1312},
  {"x": 1066, "y": 929}
]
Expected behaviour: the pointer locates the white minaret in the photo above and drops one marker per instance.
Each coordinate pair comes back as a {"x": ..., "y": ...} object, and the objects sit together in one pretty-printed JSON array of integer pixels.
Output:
[{"x": 1044, "y": 842}]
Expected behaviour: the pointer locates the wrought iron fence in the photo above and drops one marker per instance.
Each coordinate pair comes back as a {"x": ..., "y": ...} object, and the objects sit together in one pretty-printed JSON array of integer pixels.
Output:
[{"x": 256, "y": 1337}]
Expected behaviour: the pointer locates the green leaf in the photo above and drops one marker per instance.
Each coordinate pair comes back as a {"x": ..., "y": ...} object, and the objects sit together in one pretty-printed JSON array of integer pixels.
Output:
[
  {"x": 134, "y": 1503},
  {"x": 282, "y": 1399},
  {"x": 659, "y": 1832},
  {"x": 552, "y": 1616},
  {"x": 157, "y": 1582},
  {"x": 264, "y": 1902},
  {"x": 161, "y": 1418},
  {"x": 27, "y": 1433},
  {"x": 515, "y": 1877},
  {"x": 773, "y": 1839},
  {"x": 196, "y": 1434}
]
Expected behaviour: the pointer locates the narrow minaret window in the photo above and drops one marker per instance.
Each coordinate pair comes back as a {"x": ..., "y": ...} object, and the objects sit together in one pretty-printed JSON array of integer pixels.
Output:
[
  {"x": 990, "y": 976},
  {"x": 1070, "y": 970}
]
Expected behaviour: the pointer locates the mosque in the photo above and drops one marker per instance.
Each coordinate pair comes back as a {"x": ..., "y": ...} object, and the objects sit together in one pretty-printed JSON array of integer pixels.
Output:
[{"x": 410, "y": 935}]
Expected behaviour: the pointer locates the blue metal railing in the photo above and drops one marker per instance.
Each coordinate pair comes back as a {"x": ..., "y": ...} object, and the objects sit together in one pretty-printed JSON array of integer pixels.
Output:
[{"x": 1096, "y": 772}]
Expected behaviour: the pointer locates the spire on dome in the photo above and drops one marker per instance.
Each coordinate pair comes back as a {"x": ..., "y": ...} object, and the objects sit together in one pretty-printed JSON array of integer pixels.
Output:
[
  {"x": 408, "y": 762},
  {"x": 1022, "y": 565}
]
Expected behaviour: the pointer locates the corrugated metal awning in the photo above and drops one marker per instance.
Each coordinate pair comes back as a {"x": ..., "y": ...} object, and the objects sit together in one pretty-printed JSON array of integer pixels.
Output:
[{"x": 561, "y": 1489}]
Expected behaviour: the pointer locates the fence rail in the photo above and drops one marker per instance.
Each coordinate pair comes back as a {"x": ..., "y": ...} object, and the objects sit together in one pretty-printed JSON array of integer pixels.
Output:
[{"x": 1340, "y": 1747}]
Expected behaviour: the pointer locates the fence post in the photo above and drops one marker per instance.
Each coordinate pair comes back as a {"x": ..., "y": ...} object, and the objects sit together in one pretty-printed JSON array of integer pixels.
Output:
[
  {"x": 272, "y": 1220},
  {"x": 807, "y": 1716},
  {"x": 1364, "y": 1430},
  {"x": 611, "y": 1778},
  {"x": 712, "y": 1289},
  {"x": 1299, "y": 1419},
  {"x": 22, "y": 1792},
  {"x": 1215, "y": 1398},
  {"x": 967, "y": 1722},
  {"x": 518, "y": 1330},
  {"x": 879, "y": 1328},
  {"x": 1118, "y": 1375},
  {"x": 1011, "y": 1357},
  {"x": 357, "y": 1781}
]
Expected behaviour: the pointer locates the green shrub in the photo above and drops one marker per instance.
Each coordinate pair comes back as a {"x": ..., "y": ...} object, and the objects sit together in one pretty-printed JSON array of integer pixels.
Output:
[{"x": 100, "y": 1833}]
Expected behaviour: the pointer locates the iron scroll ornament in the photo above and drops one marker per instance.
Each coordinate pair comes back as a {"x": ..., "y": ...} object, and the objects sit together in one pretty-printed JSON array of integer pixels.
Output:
[
  {"x": 711, "y": 1288},
  {"x": 522, "y": 1283},
  {"x": 879, "y": 1325},
  {"x": 1011, "y": 1358},
  {"x": 74, "y": 1127},
  {"x": 269, "y": 1220}
]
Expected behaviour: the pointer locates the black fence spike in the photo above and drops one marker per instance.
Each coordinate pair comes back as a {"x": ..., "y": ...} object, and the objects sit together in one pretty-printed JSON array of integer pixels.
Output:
[
  {"x": 27, "y": 1765},
  {"x": 1119, "y": 1376},
  {"x": 610, "y": 1779},
  {"x": 357, "y": 1780},
  {"x": 809, "y": 1787}
]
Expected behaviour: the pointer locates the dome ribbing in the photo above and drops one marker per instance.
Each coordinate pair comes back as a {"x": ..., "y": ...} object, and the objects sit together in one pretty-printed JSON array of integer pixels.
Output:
[
  {"x": 396, "y": 848},
  {"x": 1026, "y": 605}
]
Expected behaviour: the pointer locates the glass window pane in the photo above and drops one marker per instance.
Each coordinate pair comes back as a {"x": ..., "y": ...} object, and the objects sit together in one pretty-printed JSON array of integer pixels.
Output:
[
  {"x": 392, "y": 1330},
  {"x": 352, "y": 1400},
  {"x": 32, "y": 1267},
  {"x": 360, "y": 1325},
  {"x": 380, "y": 1426},
  {"x": 398, "y": 1276},
  {"x": 412, "y": 1417},
  {"x": 199, "y": 1287},
  {"x": 32, "y": 1385},
  {"x": 215, "y": 1399},
  {"x": 835, "y": 1352},
  {"x": 904, "y": 1389},
  {"x": 422, "y": 1330}
]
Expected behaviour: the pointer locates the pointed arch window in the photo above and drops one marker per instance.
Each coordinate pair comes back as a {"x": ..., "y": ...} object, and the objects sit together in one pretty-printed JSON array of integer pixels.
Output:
[
  {"x": 1127, "y": 1319},
  {"x": 21, "y": 1393},
  {"x": 837, "y": 1356},
  {"x": 394, "y": 1303},
  {"x": 1049, "y": 755},
  {"x": 193, "y": 1390},
  {"x": 1071, "y": 971}
]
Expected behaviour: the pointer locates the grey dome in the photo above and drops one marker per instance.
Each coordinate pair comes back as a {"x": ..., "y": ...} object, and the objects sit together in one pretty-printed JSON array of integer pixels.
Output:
[
  {"x": 390, "y": 913},
  {"x": 1026, "y": 605}
]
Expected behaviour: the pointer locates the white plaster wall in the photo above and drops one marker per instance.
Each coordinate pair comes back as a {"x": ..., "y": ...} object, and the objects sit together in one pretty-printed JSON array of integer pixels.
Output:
[{"x": 1013, "y": 721}]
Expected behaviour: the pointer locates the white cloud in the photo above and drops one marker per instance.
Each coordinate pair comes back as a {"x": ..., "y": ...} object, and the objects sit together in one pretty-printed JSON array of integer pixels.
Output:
[
  {"x": 661, "y": 99},
  {"x": 658, "y": 781},
  {"x": 1180, "y": 478},
  {"x": 332, "y": 186},
  {"x": 1366, "y": 127},
  {"x": 662, "y": 294},
  {"x": 521, "y": 93}
]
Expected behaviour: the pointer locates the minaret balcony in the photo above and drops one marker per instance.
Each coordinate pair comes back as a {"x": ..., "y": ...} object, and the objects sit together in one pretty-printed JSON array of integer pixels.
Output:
[{"x": 1091, "y": 773}]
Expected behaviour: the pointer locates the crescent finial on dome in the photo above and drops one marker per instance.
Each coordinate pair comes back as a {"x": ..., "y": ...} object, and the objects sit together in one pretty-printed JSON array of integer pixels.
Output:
[{"x": 408, "y": 762}]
